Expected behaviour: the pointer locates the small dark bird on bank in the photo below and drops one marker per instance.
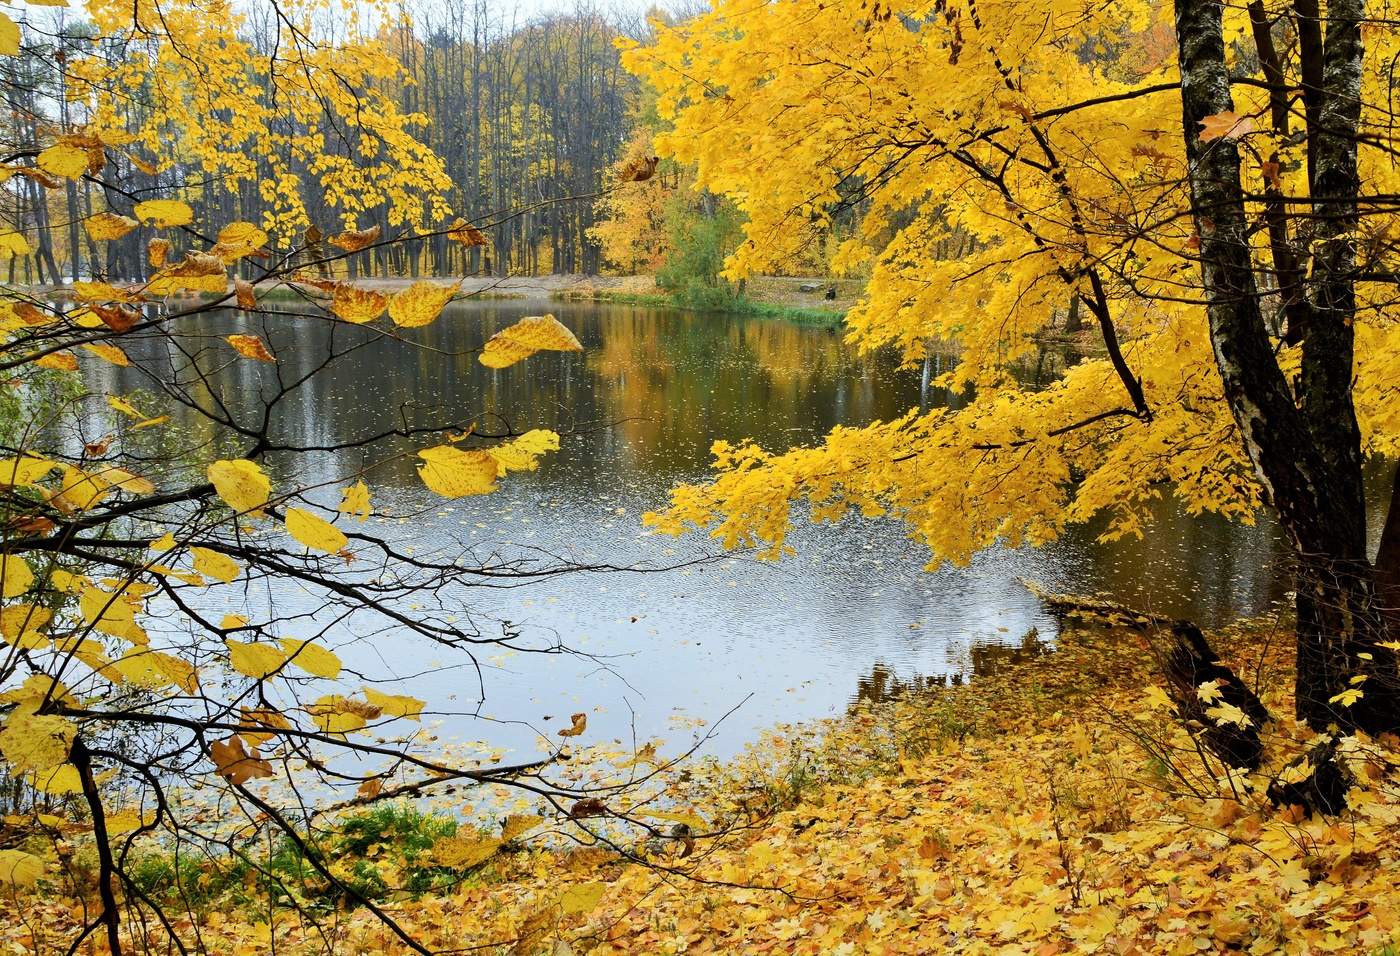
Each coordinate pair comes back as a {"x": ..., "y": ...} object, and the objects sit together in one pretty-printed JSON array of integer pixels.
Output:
[{"x": 831, "y": 293}]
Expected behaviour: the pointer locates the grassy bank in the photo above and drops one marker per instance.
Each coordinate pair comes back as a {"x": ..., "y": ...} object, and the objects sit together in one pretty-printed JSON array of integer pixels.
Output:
[{"x": 1052, "y": 806}]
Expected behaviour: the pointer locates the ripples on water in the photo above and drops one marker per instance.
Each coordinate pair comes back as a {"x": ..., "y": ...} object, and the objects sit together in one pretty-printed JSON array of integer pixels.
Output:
[{"x": 852, "y": 614}]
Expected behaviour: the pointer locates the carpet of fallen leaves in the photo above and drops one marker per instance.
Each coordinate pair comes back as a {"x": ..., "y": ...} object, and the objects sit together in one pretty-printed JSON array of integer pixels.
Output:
[{"x": 1050, "y": 807}]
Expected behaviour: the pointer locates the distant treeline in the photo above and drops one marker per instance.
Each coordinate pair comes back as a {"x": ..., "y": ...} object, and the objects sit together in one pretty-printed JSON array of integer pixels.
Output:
[{"x": 525, "y": 117}]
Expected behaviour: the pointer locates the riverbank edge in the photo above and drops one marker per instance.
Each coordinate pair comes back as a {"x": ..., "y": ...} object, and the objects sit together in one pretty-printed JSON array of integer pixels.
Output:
[
  {"x": 816, "y": 318},
  {"x": 1027, "y": 811}
]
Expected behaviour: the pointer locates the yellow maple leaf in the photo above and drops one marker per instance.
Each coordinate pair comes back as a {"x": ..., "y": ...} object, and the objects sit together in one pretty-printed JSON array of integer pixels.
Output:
[
  {"x": 354, "y": 501},
  {"x": 16, "y": 577},
  {"x": 36, "y": 742}
]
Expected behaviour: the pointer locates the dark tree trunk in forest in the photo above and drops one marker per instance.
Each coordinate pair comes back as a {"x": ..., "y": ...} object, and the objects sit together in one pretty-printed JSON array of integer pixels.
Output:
[{"x": 1306, "y": 449}]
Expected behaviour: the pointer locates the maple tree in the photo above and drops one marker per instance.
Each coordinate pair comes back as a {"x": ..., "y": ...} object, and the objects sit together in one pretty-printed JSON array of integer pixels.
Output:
[{"x": 1210, "y": 185}]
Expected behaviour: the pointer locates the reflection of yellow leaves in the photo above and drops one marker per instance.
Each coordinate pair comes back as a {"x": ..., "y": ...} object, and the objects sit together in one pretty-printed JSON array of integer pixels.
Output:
[
  {"x": 394, "y": 705},
  {"x": 240, "y": 483},
  {"x": 311, "y": 657},
  {"x": 420, "y": 303},
  {"x": 455, "y": 473},
  {"x": 534, "y": 333},
  {"x": 315, "y": 532}
]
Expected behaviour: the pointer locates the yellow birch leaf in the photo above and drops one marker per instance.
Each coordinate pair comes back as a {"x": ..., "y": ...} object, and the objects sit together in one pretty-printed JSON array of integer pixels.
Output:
[
  {"x": 34, "y": 742},
  {"x": 215, "y": 564},
  {"x": 251, "y": 347},
  {"x": 582, "y": 898},
  {"x": 12, "y": 242},
  {"x": 357, "y": 305},
  {"x": 125, "y": 407},
  {"x": 9, "y": 36},
  {"x": 66, "y": 161},
  {"x": 455, "y": 473},
  {"x": 164, "y": 213},
  {"x": 79, "y": 490},
  {"x": 420, "y": 303},
  {"x": 58, "y": 361},
  {"x": 108, "y": 225},
  {"x": 164, "y": 543},
  {"x": 233, "y": 621},
  {"x": 15, "y": 575},
  {"x": 534, "y": 333},
  {"x": 254, "y": 660},
  {"x": 395, "y": 705},
  {"x": 24, "y": 470},
  {"x": 104, "y": 292},
  {"x": 18, "y": 868},
  {"x": 311, "y": 657},
  {"x": 246, "y": 297},
  {"x": 58, "y": 782},
  {"x": 338, "y": 714},
  {"x": 17, "y": 619},
  {"x": 314, "y": 532},
  {"x": 108, "y": 352},
  {"x": 240, "y": 483}
]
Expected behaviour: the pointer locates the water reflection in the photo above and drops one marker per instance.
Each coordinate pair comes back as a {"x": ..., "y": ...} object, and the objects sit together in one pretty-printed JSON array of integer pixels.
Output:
[{"x": 640, "y": 408}]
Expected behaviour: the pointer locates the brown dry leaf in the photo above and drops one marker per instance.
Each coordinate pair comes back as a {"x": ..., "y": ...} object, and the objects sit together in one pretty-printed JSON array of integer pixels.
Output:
[
  {"x": 235, "y": 764},
  {"x": 589, "y": 807},
  {"x": 247, "y": 298},
  {"x": 639, "y": 170},
  {"x": 353, "y": 240},
  {"x": 115, "y": 317},
  {"x": 108, "y": 225},
  {"x": 371, "y": 788},
  {"x": 251, "y": 347},
  {"x": 580, "y": 725},
  {"x": 467, "y": 234}
]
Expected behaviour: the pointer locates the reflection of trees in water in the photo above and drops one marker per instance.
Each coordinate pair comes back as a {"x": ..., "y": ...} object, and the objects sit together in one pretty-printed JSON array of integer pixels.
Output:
[{"x": 882, "y": 684}]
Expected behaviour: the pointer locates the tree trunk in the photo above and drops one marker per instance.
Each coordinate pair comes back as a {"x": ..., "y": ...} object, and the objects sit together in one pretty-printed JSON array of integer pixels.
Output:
[{"x": 1306, "y": 454}]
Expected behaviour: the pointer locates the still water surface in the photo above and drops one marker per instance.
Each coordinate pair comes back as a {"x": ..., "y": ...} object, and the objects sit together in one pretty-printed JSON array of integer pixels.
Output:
[{"x": 669, "y": 651}]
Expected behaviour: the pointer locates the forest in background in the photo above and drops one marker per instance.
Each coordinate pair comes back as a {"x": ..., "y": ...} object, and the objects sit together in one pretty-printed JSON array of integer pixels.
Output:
[{"x": 533, "y": 133}]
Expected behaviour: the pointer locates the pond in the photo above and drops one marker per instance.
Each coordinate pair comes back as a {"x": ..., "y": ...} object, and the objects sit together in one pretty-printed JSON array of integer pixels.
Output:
[{"x": 666, "y": 653}]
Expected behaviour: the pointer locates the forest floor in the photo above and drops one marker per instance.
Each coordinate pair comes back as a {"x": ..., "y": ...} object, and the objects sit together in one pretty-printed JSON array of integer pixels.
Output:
[{"x": 1050, "y": 806}]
